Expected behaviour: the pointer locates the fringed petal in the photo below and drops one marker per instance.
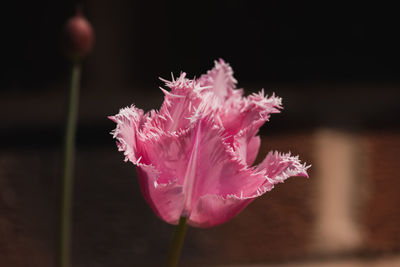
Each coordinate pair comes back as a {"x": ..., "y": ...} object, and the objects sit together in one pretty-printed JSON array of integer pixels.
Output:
[
  {"x": 212, "y": 210},
  {"x": 251, "y": 112},
  {"x": 242, "y": 120},
  {"x": 183, "y": 104},
  {"x": 220, "y": 80},
  {"x": 178, "y": 106},
  {"x": 278, "y": 167},
  {"x": 129, "y": 121},
  {"x": 166, "y": 199}
]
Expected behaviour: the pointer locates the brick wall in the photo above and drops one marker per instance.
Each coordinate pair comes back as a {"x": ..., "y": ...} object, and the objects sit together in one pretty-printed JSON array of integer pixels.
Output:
[{"x": 346, "y": 214}]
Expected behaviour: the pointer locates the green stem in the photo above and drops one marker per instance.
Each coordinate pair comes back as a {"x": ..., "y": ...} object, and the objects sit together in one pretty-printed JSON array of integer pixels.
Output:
[
  {"x": 177, "y": 242},
  {"x": 68, "y": 170}
]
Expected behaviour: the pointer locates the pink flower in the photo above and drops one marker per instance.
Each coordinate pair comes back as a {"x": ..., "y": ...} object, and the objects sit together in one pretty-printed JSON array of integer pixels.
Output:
[{"x": 194, "y": 156}]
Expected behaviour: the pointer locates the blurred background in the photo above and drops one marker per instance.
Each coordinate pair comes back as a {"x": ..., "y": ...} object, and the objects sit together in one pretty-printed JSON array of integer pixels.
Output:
[{"x": 335, "y": 65}]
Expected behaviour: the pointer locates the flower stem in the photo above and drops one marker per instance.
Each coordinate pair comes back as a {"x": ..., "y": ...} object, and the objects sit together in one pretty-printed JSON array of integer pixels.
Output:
[
  {"x": 68, "y": 170},
  {"x": 177, "y": 242}
]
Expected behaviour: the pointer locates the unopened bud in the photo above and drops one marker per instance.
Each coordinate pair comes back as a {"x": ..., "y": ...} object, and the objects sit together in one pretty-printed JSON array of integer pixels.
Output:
[{"x": 78, "y": 36}]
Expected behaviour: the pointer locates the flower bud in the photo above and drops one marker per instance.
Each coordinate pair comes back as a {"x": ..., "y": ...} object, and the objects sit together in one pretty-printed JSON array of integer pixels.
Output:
[{"x": 78, "y": 37}]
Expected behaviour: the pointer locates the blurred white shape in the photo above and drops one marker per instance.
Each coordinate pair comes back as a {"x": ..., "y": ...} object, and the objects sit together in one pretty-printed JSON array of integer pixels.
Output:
[{"x": 338, "y": 165}]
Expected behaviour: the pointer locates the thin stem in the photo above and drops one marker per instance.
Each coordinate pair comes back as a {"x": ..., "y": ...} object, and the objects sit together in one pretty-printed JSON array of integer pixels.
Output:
[
  {"x": 177, "y": 242},
  {"x": 68, "y": 170}
]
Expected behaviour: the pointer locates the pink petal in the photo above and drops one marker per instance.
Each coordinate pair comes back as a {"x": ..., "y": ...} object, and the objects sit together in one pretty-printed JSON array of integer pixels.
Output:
[
  {"x": 212, "y": 210},
  {"x": 129, "y": 120},
  {"x": 252, "y": 149},
  {"x": 253, "y": 111},
  {"x": 176, "y": 109},
  {"x": 246, "y": 146},
  {"x": 201, "y": 162},
  {"x": 278, "y": 167},
  {"x": 217, "y": 171},
  {"x": 182, "y": 105},
  {"x": 243, "y": 120},
  {"x": 166, "y": 200},
  {"x": 220, "y": 79},
  {"x": 167, "y": 152}
]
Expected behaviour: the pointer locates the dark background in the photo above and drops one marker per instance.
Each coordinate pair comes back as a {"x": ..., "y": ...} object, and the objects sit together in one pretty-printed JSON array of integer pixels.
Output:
[
  {"x": 277, "y": 41},
  {"x": 336, "y": 65}
]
